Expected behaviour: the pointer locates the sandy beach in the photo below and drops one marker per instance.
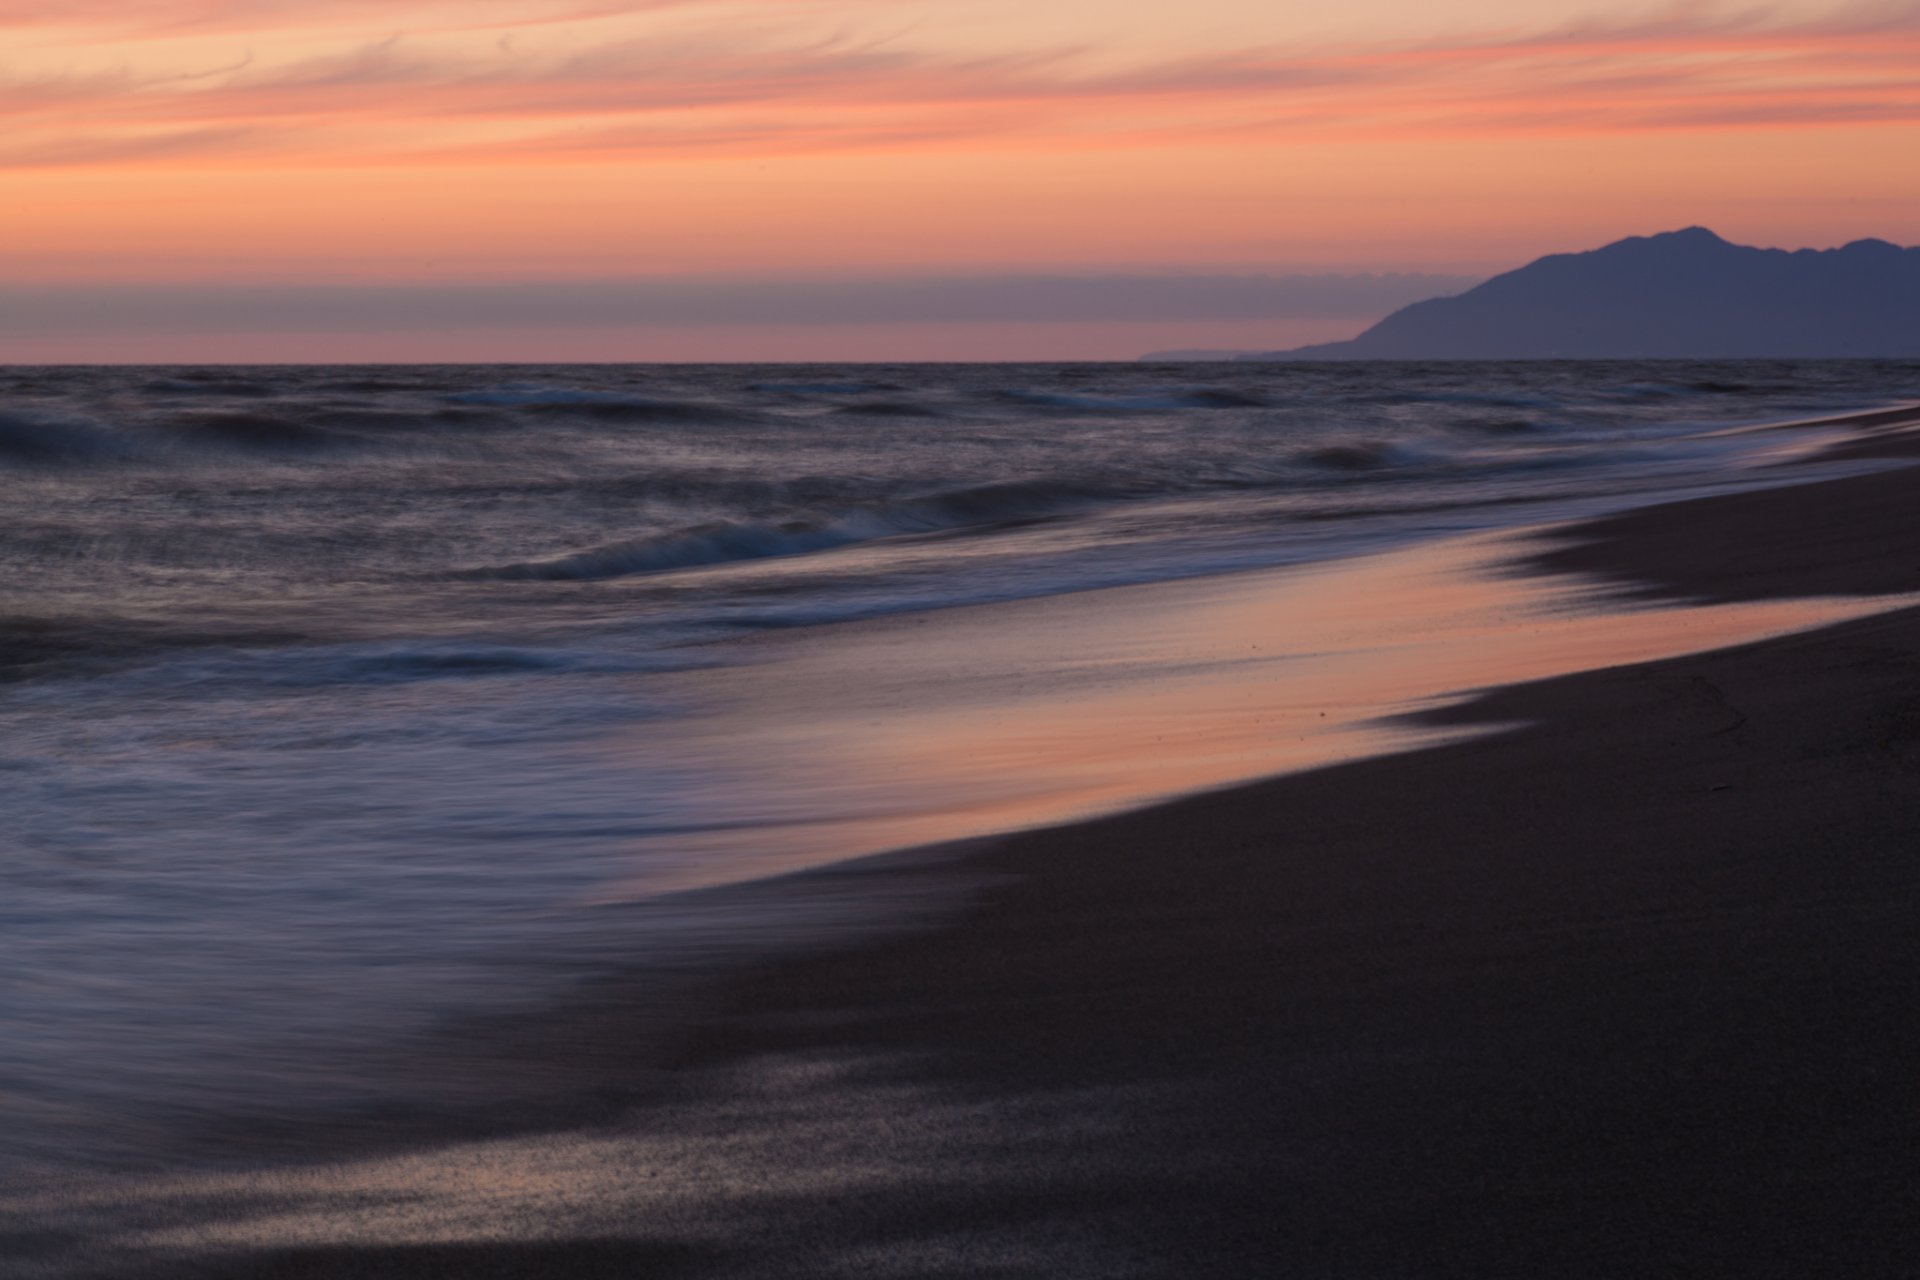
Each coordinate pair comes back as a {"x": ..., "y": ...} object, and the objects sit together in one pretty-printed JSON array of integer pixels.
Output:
[
  {"x": 1625, "y": 991},
  {"x": 1622, "y": 987}
]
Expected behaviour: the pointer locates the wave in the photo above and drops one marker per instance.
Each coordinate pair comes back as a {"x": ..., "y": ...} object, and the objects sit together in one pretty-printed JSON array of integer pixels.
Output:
[
  {"x": 395, "y": 663},
  {"x": 1192, "y": 398},
  {"x": 1704, "y": 388},
  {"x": 523, "y": 395},
  {"x": 1478, "y": 399},
  {"x": 602, "y": 405},
  {"x": 375, "y": 386},
  {"x": 647, "y": 411},
  {"x": 27, "y": 438},
  {"x": 176, "y": 654},
  {"x": 726, "y": 541},
  {"x": 191, "y": 385},
  {"x": 823, "y": 388},
  {"x": 30, "y": 439},
  {"x": 1499, "y": 426},
  {"x": 1363, "y": 456},
  {"x": 887, "y": 409},
  {"x": 252, "y": 431},
  {"x": 403, "y": 421},
  {"x": 54, "y": 645}
]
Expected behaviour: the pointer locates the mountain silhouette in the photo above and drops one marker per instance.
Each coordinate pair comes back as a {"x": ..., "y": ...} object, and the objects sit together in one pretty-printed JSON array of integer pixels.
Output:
[{"x": 1677, "y": 294}]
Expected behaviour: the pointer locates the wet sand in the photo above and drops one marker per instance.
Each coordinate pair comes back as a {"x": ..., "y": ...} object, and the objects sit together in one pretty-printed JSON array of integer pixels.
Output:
[
  {"x": 1626, "y": 991},
  {"x": 1624, "y": 988},
  {"x": 1631, "y": 994},
  {"x": 917, "y": 729},
  {"x": 1854, "y": 536}
]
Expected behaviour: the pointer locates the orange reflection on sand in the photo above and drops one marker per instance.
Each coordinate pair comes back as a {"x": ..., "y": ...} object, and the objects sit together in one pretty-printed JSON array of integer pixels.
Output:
[{"x": 940, "y": 726}]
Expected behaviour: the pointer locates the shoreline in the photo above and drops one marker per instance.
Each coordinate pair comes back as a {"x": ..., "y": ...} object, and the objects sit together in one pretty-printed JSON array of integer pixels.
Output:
[
  {"x": 1624, "y": 988},
  {"x": 1217, "y": 663},
  {"x": 1617, "y": 988}
]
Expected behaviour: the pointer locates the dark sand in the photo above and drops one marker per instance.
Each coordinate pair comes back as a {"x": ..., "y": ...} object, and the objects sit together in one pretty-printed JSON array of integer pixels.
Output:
[
  {"x": 1855, "y": 536},
  {"x": 1628, "y": 991}
]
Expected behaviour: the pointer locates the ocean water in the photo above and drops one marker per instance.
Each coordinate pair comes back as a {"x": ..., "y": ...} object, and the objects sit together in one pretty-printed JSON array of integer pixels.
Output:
[{"x": 336, "y": 703}]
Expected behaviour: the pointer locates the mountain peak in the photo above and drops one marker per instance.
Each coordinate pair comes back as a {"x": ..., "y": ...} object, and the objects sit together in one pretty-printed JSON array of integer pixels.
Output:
[
  {"x": 1685, "y": 240},
  {"x": 1676, "y": 294},
  {"x": 1689, "y": 235}
]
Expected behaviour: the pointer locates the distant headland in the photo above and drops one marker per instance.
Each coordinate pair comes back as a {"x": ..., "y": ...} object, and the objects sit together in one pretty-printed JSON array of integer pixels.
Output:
[{"x": 1679, "y": 294}]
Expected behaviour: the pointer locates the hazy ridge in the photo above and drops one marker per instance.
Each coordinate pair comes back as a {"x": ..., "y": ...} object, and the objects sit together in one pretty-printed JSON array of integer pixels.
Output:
[{"x": 1685, "y": 294}]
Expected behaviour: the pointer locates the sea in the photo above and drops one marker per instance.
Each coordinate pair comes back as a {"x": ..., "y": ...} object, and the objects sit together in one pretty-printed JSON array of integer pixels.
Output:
[{"x": 338, "y": 704}]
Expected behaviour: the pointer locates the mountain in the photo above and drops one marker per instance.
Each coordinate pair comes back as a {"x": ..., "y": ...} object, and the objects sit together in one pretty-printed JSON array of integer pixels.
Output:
[{"x": 1677, "y": 294}]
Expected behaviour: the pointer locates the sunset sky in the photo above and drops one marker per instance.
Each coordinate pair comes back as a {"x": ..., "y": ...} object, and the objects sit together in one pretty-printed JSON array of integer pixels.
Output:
[{"x": 769, "y": 179}]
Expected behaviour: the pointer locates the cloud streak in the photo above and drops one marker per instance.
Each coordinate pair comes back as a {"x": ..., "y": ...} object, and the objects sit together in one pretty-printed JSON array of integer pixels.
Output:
[
  {"x": 148, "y": 19},
  {"x": 772, "y": 90},
  {"x": 680, "y": 302}
]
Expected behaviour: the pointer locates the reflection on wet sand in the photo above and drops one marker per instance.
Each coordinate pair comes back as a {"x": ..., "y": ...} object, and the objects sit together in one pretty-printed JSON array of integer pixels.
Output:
[{"x": 913, "y": 730}]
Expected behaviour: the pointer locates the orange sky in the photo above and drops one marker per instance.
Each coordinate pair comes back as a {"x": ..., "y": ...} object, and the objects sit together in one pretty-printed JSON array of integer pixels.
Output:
[{"x": 283, "y": 141}]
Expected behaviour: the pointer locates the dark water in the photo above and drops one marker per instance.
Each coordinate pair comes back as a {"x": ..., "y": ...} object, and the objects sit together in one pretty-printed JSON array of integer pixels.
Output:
[{"x": 307, "y": 675}]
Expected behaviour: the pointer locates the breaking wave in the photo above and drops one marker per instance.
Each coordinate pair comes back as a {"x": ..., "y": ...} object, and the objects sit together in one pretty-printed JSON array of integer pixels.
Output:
[
  {"x": 30, "y": 439},
  {"x": 726, "y": 541}
]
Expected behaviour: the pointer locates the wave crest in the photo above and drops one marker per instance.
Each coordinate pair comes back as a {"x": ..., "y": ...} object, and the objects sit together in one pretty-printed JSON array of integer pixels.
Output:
[
  {"x": 25, "y": 438},
  {"x": 727, "y": 541}
]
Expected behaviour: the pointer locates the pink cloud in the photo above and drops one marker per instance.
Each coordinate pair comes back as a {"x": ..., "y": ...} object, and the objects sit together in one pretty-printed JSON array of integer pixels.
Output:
[
  {"x": 161, "y": 17},
  {"x": 725, "y": 93}
]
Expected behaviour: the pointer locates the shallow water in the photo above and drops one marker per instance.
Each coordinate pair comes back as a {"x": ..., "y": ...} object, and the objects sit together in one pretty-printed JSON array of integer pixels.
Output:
[{"x": 336, "y": 699}]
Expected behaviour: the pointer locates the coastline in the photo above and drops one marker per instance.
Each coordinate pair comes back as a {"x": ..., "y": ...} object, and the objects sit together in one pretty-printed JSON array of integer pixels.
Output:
[
  {"x": 1625, "y": 989},
  {"x": 1622, "y": 987}
]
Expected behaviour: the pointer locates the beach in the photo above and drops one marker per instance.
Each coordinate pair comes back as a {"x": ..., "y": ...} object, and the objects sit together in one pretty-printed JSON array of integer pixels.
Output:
[
  {"x": 1623, "y": 991},
  {"x": 1610, "y": 974},
  {"x": 1567, "y": 933}
]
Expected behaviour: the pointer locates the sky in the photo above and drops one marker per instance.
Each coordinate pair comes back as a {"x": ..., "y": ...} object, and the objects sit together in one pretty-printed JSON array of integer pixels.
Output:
[{"x": 891, "y": 179}]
